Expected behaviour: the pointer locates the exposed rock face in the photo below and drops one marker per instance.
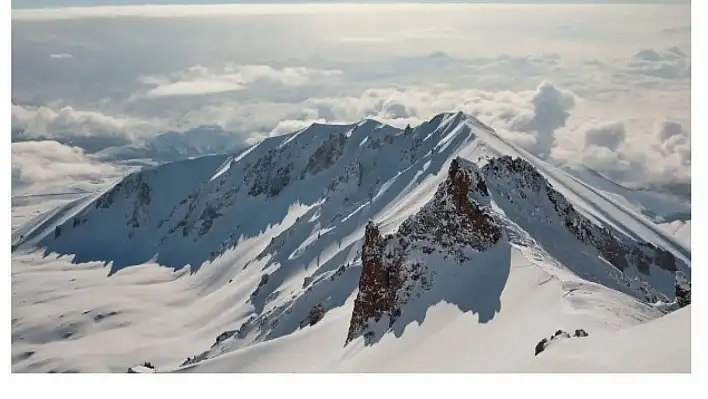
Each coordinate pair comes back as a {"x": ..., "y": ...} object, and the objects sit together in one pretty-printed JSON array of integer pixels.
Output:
[
  {"x": 135, "y": 188},
  {"x": 558, "y": 335},
  {"x": 683, "y": 291},
  {"x": 459, "y": 221},
  {"x": 526, "y": 180},
  {"x": 269, "y": 175},
  {"x": 261, "y": 283},
  {"x": 133, "y": 184},
  {"x": 450, "y": 225},
  {"x": 327, "y": 154},
  {"x": 378, "y": 284},
  {"x": 580, "y": 333},
  {"x": 316, "y": 314}
]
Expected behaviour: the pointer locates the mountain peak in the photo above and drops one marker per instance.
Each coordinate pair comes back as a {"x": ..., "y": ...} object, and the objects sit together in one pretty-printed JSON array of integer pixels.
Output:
[{"x": 399, "y": 220}]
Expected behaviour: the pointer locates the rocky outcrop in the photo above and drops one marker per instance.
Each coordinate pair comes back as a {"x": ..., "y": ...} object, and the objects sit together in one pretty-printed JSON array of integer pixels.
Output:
[
  {"x": 458, "y": 222},
  {"x": 683, "y": 290},
  {"x": 449, "y": 226},
  {"x": 261, "y": 283},
  {"x": 268, "y": 176},
  {"x": 141, "y": 201},
  {"x": 378, "y": 284},
  {"x": 558, "y": 335},
  {"x": 316, "y": 314},
  {"x": 326, "y": 155},
  {"x": 133, "y": 185},
  {"x": 137, "y": 192}
]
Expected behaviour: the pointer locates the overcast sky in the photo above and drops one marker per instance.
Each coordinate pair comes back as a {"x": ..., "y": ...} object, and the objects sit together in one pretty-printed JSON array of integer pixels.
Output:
[
  {"x": 19, "y": 4},
  {"x": 606, "y": 85}
]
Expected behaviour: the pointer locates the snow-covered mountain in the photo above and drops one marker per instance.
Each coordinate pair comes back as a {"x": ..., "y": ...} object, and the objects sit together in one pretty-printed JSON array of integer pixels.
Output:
[
  {"x": 174, "y": 146},
  {"x": 658, "y": 206},
  {"x": 359, "y": 247}
]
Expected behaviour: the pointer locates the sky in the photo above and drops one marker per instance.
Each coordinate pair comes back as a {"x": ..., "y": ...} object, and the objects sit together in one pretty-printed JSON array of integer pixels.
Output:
[
  {"x": 603, "y": 85},
  {"x": 20, "y": 4}
]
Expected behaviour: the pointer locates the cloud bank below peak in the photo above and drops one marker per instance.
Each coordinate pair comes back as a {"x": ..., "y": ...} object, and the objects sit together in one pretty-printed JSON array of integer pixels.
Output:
[{"x": 620, "y": 102}]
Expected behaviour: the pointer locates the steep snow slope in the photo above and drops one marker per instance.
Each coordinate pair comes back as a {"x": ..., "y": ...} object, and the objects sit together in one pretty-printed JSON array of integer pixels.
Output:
[
  {"x": 274, "y": 241},
  {"x": 532, "y": 305},
  {"x": 670, "y": 212},
  {"x": 680, "y": 230},
  {"x": 656, "y": 206}
]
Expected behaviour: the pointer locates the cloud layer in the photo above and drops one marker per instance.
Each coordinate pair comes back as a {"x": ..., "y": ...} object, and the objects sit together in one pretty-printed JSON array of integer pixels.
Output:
[
  {"x": 620, "y": 102},
  {"x": 50, "y": 167},
  {"x": 199, "y": 80}
]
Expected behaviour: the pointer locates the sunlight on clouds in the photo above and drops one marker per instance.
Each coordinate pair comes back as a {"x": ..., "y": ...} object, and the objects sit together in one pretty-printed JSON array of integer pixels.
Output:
[
  {"x": 42, "y": 122},
  {"x": 47, "y": 166},
  {"x": 198, "y": 79},
  {"x": 573, "y": 82}
]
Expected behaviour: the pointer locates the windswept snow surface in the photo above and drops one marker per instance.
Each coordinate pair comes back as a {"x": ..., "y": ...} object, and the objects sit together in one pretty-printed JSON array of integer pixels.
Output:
[
  {"x": 670, "y": 212},
  {"x": 661, "y": 345},
  {"x": 656, "y": 206},
  {"x": 218, "y": 264}
]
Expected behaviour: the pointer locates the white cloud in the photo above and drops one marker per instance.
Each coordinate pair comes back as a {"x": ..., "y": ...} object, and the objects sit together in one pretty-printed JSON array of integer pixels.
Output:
[
  {"x": 669, "y": 129},
  {"x": 50, "y": 167},
  {"x": 635, "y": 158},
  {"x": 609, "y": 135},
  {"x": 90, "y": 130},
  {"x": 669, "y": 64},
  {"x": 67, "y": 121},
  {"x": 675, "y": 141},
  {"x": 551, "y": 108},
  {"x": 198, "y": 80},
  {"x": 292, "y": 125},
  {"x": 266, "y": 70},
  {"x": 59, "y": 56}
]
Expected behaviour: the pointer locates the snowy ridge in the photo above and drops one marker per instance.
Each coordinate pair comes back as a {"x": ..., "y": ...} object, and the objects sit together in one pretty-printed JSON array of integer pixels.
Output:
[
  {"x": 471, "y": 211},
  {"x": 283, "y": 247},
  {"x": 656, "y": 206}
]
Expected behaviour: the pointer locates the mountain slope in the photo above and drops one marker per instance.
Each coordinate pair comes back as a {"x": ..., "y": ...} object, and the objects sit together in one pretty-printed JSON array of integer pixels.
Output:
[
  {"x": 656, "y": 206},
  {"x": 328, "y": 243},
  {"x": 661, "y": 345}
]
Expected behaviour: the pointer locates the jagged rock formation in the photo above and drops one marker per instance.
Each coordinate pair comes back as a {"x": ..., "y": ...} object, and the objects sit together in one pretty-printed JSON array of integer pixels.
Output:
[
  {"x": 378, "y": 284},
  {"x": 461, "y": 219},
  {"x": 305, "y": 197},
  {"x": 450, "y": 226}
]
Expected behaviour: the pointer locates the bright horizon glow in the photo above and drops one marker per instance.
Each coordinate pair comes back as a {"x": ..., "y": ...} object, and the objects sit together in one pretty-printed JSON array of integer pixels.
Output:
[
  {"x": 192, "y": 9},
  {"x": 37, "y": 4}
]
